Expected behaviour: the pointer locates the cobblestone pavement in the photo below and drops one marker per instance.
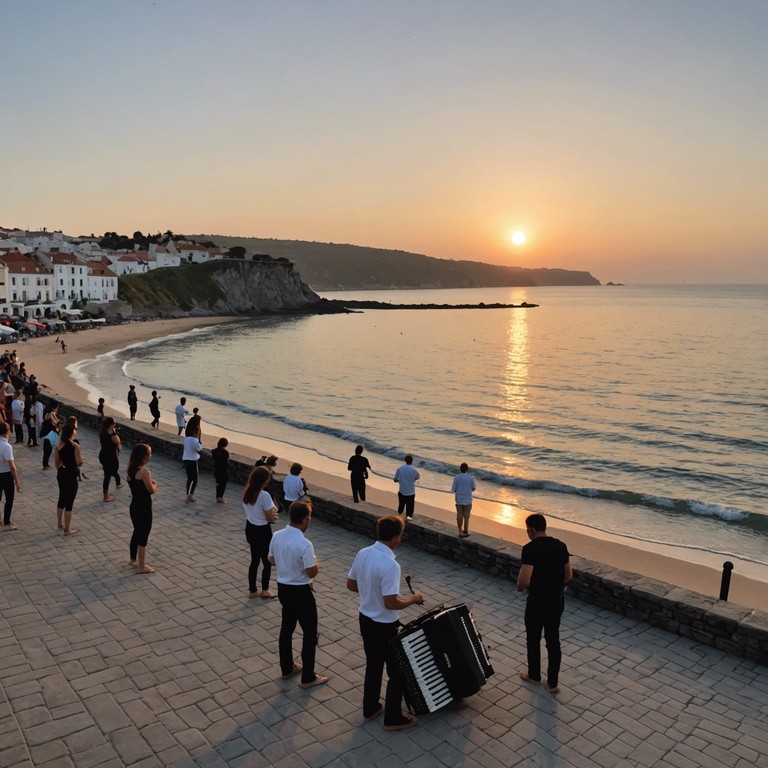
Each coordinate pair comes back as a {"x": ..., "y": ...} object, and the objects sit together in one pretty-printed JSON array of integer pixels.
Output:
[{"x": 102, "y": 667}]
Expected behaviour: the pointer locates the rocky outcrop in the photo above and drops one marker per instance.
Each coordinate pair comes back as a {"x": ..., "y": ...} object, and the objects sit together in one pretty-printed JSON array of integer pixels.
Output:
[{"x": 222, "y": 287}]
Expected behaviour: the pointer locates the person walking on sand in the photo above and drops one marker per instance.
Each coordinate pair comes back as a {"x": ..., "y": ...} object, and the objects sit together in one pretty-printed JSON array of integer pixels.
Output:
[
  {"x": 9, "y": 478},
  {"x": 297, "y": 565},
  {"x": 544, "y": 572},
  {"x": 375, "y": 576},
  {"x": 181, "y": 414},
  {"x": 358, "y": 467},
  {"x": 190, "y": 458},
  {"x": 260, "y": 512},
  {"x": 143, "y": 487},
  {"x": 463, "y": 486},
  {"x": 67, "y": 459},
  {"x": 109, "y": 455},
  {"x": 220, "y": 456},
  {"x": 406, "y": 475},
  {"x": 63, "y": 347},
  {"x": 133, "y": 402},
  {"x": 154, "y": 409}
]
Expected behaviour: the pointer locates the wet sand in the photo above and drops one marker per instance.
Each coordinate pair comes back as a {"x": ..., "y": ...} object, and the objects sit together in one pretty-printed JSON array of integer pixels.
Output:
[{"x": 690, "y": 569}]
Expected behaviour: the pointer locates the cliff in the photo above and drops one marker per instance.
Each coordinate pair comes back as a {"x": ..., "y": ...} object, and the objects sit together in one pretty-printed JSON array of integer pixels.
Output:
[
  {"x": 228, "y": 287},
  {"x": 334, "y": 267}
]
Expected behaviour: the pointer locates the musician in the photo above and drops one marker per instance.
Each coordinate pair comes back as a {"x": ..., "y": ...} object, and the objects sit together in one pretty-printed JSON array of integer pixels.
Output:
[
  {"x": 544, "y": 573},
  {"x": 375, "y": 575},
  {"x": 297, "y": 565}
]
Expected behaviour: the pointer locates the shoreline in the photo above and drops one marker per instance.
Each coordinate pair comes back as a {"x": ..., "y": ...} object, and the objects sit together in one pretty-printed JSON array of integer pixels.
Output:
[{"x": 691, "y": 569}]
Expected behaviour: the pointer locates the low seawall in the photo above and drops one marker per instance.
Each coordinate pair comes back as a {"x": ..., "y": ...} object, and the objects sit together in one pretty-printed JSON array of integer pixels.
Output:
[{"x": 731, "y": 628}]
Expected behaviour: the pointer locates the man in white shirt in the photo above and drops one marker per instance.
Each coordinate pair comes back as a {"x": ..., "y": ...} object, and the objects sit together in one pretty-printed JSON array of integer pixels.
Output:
[
  {"x": 463, "y": 486},
  {"x": 406, "y": 476},
  {"x": 294, "y": 556},
  {"x": 181, "y": 414},
  {"x": 9, "y": 479},
  {"x": 375, "y": 575},
  {"x": 17, "y": 412}
]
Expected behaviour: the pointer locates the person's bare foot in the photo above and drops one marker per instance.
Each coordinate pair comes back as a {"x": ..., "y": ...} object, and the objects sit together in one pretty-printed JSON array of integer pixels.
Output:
[
  {"x": 9, "y": 527},
  {"x": 254, "y": 594},
  {"x": 268, "y": 593},
  {"x": 70, "y": 532},
  {"x": 524, "y": 676},
  {"x": 109, "y": 498},
  {"x": 119, "y": 487},
  {"x": 221, "y": 501},
  {"x": 132, "y": 562},
  {"x": 190, "y": 497},
  {"x": 146, "y": 569}
]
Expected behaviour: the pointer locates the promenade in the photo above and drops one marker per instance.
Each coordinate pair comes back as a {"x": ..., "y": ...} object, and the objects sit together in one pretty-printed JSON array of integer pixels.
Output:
[{"x": 101, "y": 667}]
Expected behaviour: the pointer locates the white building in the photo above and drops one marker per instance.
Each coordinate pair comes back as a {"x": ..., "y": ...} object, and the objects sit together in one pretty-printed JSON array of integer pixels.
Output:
[
  {"x": 70, "y": 274},
  {"x": 24, "y": 279},
  {"x": 102, "y": 283}
]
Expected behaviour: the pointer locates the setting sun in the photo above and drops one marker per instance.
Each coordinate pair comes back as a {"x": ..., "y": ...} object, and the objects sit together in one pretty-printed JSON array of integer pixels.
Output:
[{"x": 518, "y": 237}]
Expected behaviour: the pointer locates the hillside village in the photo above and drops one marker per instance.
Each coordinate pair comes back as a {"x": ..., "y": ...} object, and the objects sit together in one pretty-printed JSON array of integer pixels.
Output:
[{"x": 48, "y": 275}]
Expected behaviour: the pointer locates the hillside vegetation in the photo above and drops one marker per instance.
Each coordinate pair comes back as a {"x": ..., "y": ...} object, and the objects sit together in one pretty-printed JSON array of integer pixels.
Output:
[{"x": 332, "y": 266}]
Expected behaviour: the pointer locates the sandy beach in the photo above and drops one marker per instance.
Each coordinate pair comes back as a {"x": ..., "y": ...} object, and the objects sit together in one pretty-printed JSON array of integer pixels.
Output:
[{"x": 690, "y": 569}]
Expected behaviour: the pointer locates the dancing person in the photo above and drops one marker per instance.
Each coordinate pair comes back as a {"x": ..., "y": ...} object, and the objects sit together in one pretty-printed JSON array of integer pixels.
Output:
[
  {"x": 109, "y": 455},
  {"x": 462, "y": 487},
  {"x": 143, "y": 487},
  {"x": 154, "y": 409},
  {"x": 375, "y": 576},
  {"x": 260, "y": 511},
  {"x": 220, "y": 456},
  {"x": 190, "y": 458},
  {"x": 67, "y": 459},
  {"x": 544, "y": 572},
  {"x": 50, "y": 431},
  {"x": 294, "y": 487},
  {"x": 294, "y": 556},
  {"x": 406, "y": 476},
  {"x": 181, "y": 414},
  {"x": 358, "y": 466},
  {"x": 133, "y": 401},
  {"x": 9, "y": 478}
]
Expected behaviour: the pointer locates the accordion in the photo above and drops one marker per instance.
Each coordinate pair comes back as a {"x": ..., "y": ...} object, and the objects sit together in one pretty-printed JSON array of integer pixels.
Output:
[{"x": 440, "y": 657}]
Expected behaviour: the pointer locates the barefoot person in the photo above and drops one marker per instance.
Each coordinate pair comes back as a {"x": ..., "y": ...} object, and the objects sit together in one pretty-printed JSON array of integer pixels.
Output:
[
  {"x": 220, "y": 456},
  {"x": 358, "y": 466},
  {"x": 463, "y": 486},
  {"x": 260, "y": 511},
  {"x": 544, "y": 572},
  {"x": 191, "y": 456},
  {"x": 67, "y": 459},
  {"x": 142, "y": 489},
  {"x": 9, "y": 479},
  {"x": 109, "y": 455}
]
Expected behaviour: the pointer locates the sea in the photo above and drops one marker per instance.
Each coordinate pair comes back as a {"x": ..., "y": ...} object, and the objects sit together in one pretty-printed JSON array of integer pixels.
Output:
[{"x": 639, "y": 411}]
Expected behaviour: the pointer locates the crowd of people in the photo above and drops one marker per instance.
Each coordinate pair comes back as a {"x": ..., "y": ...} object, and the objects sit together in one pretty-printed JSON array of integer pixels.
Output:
[{"x": 374, "y": 575}]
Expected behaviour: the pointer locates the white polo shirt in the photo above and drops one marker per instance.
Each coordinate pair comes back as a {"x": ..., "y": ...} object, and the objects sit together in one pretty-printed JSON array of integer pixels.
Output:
[
  {"x": 293, "y": 553},
  {"x": 377, "y": 574},
  {"x": 256, "y": 514},
  {"x": 6, "y": 455}
]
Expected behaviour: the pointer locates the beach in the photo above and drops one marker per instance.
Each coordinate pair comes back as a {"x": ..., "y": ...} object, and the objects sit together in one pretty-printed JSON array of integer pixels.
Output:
[{"x": 695, "y": 570}]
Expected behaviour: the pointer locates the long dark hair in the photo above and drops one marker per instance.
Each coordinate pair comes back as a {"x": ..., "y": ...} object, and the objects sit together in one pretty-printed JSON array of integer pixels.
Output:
[
  {"x": 138, "y": 454},
  {"x": 70, "y": 425},
  {"x": 257, "y": 480},
  {"x": 106, "y": 425}
]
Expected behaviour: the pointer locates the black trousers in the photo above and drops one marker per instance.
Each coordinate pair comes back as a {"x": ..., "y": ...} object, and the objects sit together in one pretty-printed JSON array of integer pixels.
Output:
[
  {"x": 221, "y": 485},
  {"x": 8, "y": 488},
  {"x": 258, "y": 537},
  {"x": 358, "y": 487},
  {"x": 47, "y": 451},
  {"x": 405, "y": 503},
  {"x": 191, "y": 467},
  {"x": 543, "y": 614},
  {"x": 141, "y": 517},
  {"x": 299, "y": 606},
  {"x": 68, "y": 487},
  {"x": 19, "y": 430},
  {"x": 376, "y": 637},
  {"x": 110, "y": 471}
]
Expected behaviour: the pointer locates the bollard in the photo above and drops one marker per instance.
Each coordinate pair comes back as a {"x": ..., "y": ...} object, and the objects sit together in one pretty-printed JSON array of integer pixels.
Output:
[{"x": 725, "y": 582}]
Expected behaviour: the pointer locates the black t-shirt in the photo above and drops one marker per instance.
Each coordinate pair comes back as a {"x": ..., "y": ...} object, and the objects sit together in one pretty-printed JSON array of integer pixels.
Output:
[
  {"x": 358, "y": 465},
  {"x": 220, "y": 458},
  {"x": 548, "y": 557}
]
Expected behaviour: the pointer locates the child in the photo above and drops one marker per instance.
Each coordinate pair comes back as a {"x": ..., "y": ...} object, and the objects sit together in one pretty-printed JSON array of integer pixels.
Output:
[{"x": 220, "y": 456}]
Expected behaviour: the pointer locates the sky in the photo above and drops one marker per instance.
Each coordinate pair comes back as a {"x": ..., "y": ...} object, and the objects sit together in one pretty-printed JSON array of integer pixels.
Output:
[{"x": 628, "y": 139}]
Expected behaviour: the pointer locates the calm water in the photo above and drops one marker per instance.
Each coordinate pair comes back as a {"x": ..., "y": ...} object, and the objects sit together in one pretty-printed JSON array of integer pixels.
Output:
[{"x": 638, "y": 410}]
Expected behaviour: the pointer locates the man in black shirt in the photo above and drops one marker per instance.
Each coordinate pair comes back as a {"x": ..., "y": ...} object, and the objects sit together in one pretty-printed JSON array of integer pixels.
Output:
[
  {"x": 544, "y": 572},
  {"x": 358, "y": 466}
]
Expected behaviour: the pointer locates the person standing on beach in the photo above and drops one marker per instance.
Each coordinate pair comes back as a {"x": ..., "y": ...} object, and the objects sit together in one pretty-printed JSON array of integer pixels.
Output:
[
  {"x": 9, "y": 478},
  {"x": 260, "y": 512},
  {"x": 359, "y": 467},
  {"x": 67, "y": 459},
  {"x": 154, "y": 409},
  {"x": 406, "y": 475},
  {"x": 220, "y": 456},
  {"x": 190, "y": 458},
  {"x": 143, "y": 487},
  {"x": 181, "y": 414},
  {"x": 297, "y": 565},
  {"x": 463, "y": 486},
  {"x": 544, "y": 572},
  {"x": 375, "y": 576},
  {"x": 133, "y": 402}
]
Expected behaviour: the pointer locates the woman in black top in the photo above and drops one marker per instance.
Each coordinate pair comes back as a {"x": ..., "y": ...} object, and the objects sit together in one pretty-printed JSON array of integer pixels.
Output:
[
  {"x": 142, "y": 488},
  {"x": 67, "y": 460},
  {"x": 50, "y": 424},
  {"x": 109, "y": 455},
  {"x": 220, "y": 456}
]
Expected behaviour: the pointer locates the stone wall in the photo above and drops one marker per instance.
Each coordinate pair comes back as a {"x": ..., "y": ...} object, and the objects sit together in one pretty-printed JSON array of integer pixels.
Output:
[{"x": 731, "y": 628}]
